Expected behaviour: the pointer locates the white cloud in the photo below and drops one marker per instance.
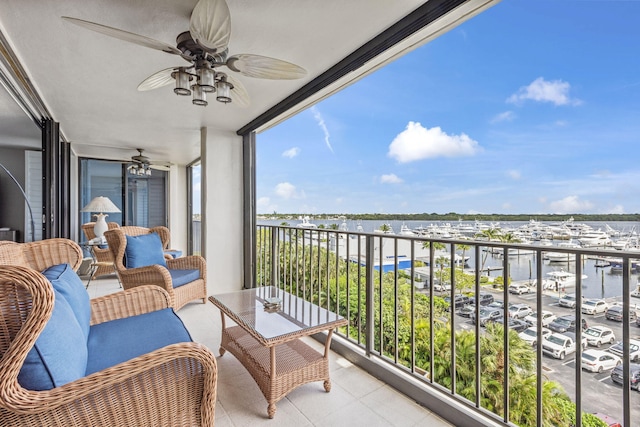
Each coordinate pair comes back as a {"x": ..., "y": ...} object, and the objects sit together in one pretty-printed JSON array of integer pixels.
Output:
[
  {"x": 291, "y": 152},
  {"x": 417, "y": 142},
  {"x": 556, "y": 92},
  {"x": 570, "y": 204},
  {"x": 323, "y": 126},
  {"x": 287, "y": 190},
  {"x": 264, "y": 205},
  {"x": 390, "y": 179},
  {"x": 617, "y": 209},
  {"x": 514, "y": 174},
  {"x": 506, "y": 116}
]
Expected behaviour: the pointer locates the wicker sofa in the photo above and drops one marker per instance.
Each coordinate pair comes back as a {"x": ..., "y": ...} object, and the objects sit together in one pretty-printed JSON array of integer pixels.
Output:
[{"x": 174, "y": 385}]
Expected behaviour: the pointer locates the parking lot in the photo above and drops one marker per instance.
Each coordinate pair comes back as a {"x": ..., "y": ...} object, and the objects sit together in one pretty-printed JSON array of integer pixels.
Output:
[{"x": 599, "y": 393}]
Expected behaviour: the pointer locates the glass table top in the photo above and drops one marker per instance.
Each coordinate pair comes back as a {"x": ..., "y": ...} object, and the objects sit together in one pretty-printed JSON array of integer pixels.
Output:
[{"x": 294, "y": 314}]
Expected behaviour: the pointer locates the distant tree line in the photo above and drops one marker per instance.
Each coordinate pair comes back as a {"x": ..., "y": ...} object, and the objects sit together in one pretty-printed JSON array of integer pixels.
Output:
[{"x": 452, "y": 216}]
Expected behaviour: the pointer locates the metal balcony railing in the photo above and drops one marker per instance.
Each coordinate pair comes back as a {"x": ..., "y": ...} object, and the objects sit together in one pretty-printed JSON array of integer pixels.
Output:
[{"x": 403, "y": 297}]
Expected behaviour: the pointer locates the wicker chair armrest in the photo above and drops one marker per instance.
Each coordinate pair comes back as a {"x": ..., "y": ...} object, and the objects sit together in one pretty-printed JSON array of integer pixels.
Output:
[
  {"x": 130, "y": 302},
  {"x": 169, "y": 378},
  {"x": 149, "y": 275},
  {"x": 191, "y": 262}
]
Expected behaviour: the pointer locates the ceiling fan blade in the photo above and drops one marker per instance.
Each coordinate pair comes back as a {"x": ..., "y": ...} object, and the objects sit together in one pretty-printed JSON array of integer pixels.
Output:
[
  {"x": 240, "y": 96},
  {"x": 263, "y": 67},
  {"x": 156, "y": 80},
  {"x": 124, "y": 35},
  {"x": 210, "y": 24},
  {"x": 165, "y": 168}
]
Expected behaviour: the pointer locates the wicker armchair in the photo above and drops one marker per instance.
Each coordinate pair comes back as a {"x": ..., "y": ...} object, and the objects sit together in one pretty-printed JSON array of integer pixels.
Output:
[
  {"x": 103, "y": 256},
  {"x": 157, "y": 274},
  {"x": 172, "y": 386}
]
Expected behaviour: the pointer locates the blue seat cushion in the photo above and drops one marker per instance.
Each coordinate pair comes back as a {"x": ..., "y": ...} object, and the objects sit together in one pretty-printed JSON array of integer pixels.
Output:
[
  {"x": 144, "y": 250},
  {"x": 67, "y": 282},
  {"x": 59, "y": 355},
  {"x": 117, "y": 341},
  {"x": 182, "y": 277}
]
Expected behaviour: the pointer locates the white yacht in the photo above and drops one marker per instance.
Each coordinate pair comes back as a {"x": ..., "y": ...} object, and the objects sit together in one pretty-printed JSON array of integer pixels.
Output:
[{"x": 562, "y": 279}]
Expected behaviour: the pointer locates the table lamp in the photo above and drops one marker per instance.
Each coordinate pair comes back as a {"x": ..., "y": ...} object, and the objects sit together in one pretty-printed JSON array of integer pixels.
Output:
[{"x": 100, "y": 204}]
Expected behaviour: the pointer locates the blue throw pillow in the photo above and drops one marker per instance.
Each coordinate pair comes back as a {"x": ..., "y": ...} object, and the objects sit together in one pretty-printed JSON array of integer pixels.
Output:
[
  {"x": 59, "y": 355},
  {"x": 144, "y": 250},
  {"x": 67, "y": 282}
]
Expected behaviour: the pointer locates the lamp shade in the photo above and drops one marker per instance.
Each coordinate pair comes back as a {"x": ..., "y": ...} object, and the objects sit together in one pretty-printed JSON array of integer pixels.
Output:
[{"x": 100, "y": 204}]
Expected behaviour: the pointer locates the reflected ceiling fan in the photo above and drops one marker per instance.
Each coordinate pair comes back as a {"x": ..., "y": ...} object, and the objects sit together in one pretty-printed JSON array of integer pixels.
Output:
[
  {"x": 205, "y": 48},
  {"x": 141, "y": 165}
]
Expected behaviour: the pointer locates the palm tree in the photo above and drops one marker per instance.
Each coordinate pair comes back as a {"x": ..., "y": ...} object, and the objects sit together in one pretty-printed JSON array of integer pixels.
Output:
[{"x": 490, "y": 234}]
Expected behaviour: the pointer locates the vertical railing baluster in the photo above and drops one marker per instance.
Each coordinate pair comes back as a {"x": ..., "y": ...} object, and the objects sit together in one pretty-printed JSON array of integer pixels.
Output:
[
  {"x": 539, "y": 378},
  {"x": 432, "y": 351},
  {"x": 274, "y": 256},
  {"x": 380, "y": 294},
  {"x": 395, "y": 299},
  {"x": 578, "y": 343},
  {"x": 452, "y": 312},
  {"x": 412, "y": 338},
  {"x": 477, "y": 326},
  {"x": 626, "y": 336},
  {"x": 369, "y": 300},
  {"x": 505, "y": 334}
]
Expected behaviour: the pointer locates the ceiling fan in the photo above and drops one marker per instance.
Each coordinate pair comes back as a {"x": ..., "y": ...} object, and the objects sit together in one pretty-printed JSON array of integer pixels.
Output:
[
  {"x": 205, "y": 48},
  {"x": 141, "y": 165}
]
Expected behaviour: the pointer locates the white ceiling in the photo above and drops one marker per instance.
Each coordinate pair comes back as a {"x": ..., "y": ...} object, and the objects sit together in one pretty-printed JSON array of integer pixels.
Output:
[{"x": 88, "y": 80}]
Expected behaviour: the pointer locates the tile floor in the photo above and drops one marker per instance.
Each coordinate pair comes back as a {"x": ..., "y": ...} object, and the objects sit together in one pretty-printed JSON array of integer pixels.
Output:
[{"x": 356, "y": 398}]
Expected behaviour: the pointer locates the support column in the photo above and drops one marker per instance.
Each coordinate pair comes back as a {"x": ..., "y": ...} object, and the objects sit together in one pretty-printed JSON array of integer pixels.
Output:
[{"x": 222, "y": 209}]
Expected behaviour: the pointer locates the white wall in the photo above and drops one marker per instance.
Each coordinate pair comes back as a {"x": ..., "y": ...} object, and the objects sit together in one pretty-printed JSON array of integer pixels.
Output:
[{"x": 222, "y": 209}]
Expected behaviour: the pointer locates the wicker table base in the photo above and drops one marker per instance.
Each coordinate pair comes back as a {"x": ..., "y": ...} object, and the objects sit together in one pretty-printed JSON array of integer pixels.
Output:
[{"x": 280, "y": 368}]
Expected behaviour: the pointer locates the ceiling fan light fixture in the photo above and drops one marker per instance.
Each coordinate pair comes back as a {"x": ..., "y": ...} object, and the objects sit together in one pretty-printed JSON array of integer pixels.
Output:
[
  {"x": 206, "y": 76},
  {"x": 223, "y": 88},
  {"x": 182, "y": 82},
  {"x": 199, "y": 96}
]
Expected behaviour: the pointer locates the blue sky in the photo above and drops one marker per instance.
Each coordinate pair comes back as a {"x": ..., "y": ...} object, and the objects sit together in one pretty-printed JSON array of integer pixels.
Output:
[{"x": 530, "y": 107}]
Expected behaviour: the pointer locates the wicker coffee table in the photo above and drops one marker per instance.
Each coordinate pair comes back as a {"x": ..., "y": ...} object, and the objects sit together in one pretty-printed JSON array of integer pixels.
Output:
[{"x": 267, "y": 341}]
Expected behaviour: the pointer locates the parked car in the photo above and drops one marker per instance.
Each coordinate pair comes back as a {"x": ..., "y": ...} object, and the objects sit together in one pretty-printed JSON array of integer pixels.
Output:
[
  {"x": 597, "y": 335},
  {"x": 634, "y": 350},
  {"x": 615, "y": 313},
  {"x": 519, "y": 288},
  {"x": 530, "y": 335},
  {"x": 497, "y": 304},
  {"x": 598, "y": 360},
  {"x": 609, "y": 420},
  {"x": 634, "y": 375},
  {"x": 558, "y": 345},
  {"x": 485, "y": 298},
  {"x": 441, "y": 287},
  {"x": 468, "y": 310},
  {"x": 519, "y": 311},
  {"x": 566, "y": 323},
  {"x": 458, "y": 302},
  {"x": 568, "y": 300},
  {"x": 594, "y": 306},
  {"x": 515, "y": 324},
  {"x": 488, "y": 315},
  {"x": 547, "y": 317}
]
